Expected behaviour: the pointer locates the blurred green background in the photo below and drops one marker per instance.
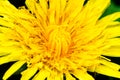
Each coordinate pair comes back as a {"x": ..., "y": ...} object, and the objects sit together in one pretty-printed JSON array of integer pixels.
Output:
[{"x": 114, "y": 7}]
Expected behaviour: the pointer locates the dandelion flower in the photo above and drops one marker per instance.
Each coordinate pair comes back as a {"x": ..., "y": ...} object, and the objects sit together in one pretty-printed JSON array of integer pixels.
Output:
[{"x": 57, "y": 38}]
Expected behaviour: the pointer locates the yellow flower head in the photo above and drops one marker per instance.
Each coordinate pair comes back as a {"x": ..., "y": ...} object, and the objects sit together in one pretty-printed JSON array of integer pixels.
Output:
[{"x": 57, "y": 38}]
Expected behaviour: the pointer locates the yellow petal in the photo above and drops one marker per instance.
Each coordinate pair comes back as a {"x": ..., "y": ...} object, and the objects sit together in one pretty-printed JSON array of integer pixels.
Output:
[
  {"x": 9, "y": 49},
  {"x": 55, "y": 76},
  {"x": 82, "y": 75},
  {"x": 113, "y": 51},
  {"x": 6, "y": 30},
  {"x": 6, "y": 59},
  {"x": 55, "y": 5},
  {"x": 113, "y": 31},
  {"x": 111, "y": 42},
  {"x": 4, "y": 33},
  {"x": 36, "y": 9},
  {"x": 28, "y": 73},
  {"x": 52, "y": 11},
  {"x": 5, "y": 6},
  {"x": 90, "y": 13},
  {"x": 6, "y": 23},
  {"x": 109, "y": 18},
  {"x": 3, "y": 54},
  {"x": 2, "y": 37},
  {"x": 44, "y": 5},
  {"x": 69, "y": 76},
  {"x": 13, "y": 69},
  {"x": 62, "y": 5},
  {"x": 73, "y": 11},
  {"x": 107, "y": 22},
  {"x": 102, "y": 69},
  {"x": 10, "y": 57},
  {"x": 75, "y": 4},
  {"x": 99, "y": 27},
  {"x": 58, "y": 77},
  {"x": 8, "y": 43},
  {"x": 114, "y": 42},
  {"x": 112, "y": 65},
  {"x": 41, "y": 75}
]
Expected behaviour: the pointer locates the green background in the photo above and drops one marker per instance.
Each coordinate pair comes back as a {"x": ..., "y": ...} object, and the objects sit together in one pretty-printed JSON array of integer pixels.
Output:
[{"x": 114, "y": 7}]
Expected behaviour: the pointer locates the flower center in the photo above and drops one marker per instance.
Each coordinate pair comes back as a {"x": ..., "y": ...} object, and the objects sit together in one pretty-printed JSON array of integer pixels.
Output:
[
  {"x": 59, "y": 42},
  {"x": 49, "y": 52}
]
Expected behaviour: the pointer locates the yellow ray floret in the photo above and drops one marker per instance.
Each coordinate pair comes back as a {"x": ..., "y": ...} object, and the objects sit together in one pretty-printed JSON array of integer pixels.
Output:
[
  {"x": 42, "y": 75},
  {"x": 107, "y": 71},
  {"x": 28, "y": 73},
  {"x": 13, "y": 69}
]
